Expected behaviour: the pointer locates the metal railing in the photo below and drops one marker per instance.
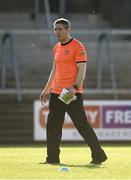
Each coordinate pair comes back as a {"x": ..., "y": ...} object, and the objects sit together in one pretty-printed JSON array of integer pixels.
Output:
[
  {"x": 47, "y": 15},
  {"x": 62, "y": 8},
  {"x": 106, "y": 91},
  {"x": 10, "y": 38},
  {"x": 105, "y": 37}
]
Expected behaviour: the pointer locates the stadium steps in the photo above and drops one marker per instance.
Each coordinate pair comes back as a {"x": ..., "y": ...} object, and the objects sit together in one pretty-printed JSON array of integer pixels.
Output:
[
  {"x": 16, "y": 119},
  {"x": 38, "y": 81}
]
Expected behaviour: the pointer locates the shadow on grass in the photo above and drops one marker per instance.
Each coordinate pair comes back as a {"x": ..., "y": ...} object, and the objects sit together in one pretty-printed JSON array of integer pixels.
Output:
[{"x": 91, "y": 166}]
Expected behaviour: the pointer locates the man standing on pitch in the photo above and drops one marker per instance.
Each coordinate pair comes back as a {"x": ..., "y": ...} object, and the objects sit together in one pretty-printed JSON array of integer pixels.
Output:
[{"x": 68, "y": 73}]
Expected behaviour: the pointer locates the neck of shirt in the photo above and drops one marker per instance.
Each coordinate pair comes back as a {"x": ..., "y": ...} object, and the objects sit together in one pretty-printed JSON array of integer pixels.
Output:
[{"x": 63, "y": 44}]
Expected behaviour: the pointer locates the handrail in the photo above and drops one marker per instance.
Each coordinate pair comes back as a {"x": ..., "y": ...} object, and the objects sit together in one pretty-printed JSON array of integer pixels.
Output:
[
  {"x": 113, "y": 32},
  {"x": 36, "y": 11},
  {"x": 105, "y": 37},
  {"x": 48, "y": 18},
  {"x": 10, "y": 37},
  {"x": 62, "y": 8},
  {"x": 49, "y": 21}
]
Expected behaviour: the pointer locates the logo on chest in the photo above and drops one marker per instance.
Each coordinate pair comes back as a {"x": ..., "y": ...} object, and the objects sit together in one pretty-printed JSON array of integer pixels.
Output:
[{"x": 66, "y": 52}]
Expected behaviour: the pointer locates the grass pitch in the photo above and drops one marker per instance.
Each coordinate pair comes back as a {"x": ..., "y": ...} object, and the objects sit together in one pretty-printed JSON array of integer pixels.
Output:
[{"x": 22, "y": 162}]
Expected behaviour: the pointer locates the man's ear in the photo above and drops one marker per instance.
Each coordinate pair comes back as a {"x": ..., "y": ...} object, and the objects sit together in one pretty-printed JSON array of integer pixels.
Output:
[{"x": 68, "y": 30}]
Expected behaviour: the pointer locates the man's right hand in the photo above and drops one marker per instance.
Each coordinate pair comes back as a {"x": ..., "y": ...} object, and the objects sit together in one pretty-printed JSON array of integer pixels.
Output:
[{"x": 43, "y": 97}]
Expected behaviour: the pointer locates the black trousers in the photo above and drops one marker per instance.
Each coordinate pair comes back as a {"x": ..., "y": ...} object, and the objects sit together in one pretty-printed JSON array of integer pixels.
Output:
[{"x": 55, "y": 122}]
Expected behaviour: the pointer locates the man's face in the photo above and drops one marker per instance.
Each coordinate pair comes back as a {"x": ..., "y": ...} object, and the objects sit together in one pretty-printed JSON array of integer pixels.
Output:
[{"x": 61, "y": 32}]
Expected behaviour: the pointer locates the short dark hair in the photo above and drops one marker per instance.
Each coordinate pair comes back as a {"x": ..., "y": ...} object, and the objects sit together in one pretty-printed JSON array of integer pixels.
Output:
[{"x": 63, "y": 21}]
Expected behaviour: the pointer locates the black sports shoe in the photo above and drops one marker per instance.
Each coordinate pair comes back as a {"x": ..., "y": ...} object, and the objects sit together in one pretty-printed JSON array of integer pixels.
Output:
[
  {"x": 98, "y": 157},
  {"x": 98, "y": 161}
]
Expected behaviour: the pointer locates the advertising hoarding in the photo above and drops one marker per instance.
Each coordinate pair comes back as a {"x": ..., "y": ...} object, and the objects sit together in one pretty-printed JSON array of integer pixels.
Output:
[{"x": 111, "y": 121}]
